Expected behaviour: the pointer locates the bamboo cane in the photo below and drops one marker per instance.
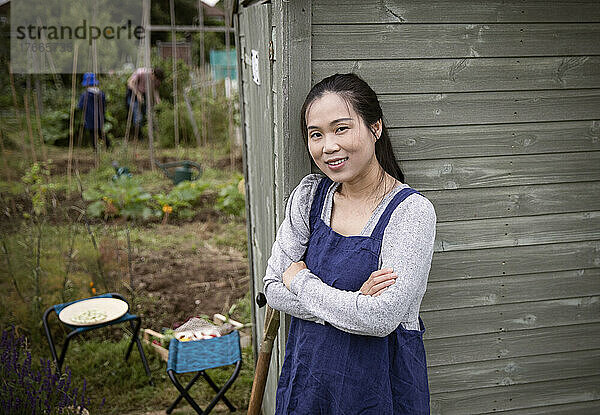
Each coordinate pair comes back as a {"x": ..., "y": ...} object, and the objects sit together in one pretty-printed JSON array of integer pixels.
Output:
[
  {"x": 228, "y": 95},
  {"x": 204, "y": 129},
  {"x": 80, "y": 132},
  {"x": 174, "y": 63},
  {"x": 4, "y": 162},
  {"x": 28, "y": 118},
  {"x": 97, "y": 97},
  {"x": 6, "y": 169},
  {"x": 16, "y": 105},
  {"x": 128, "y": 125},
  {"x": 149, "y": 97},
  {"x": 72, "y": 116},
  {"x": 39, "y": 123}
]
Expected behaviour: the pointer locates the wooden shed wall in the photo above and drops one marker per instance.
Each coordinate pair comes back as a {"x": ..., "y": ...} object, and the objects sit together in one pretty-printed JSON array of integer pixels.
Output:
[
  {"x": 275, "y": 159},
  {"x": 494, "y": 109},
  {"x": 254, "y": 33}
]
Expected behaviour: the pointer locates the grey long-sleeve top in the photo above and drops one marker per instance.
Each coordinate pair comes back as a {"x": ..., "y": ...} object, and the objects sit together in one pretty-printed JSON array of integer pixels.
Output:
[{"x": 407, "y": 247}]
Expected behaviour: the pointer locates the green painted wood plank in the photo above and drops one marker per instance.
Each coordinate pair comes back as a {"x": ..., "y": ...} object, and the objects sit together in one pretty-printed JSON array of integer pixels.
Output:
[
  {"x": 514, "y": 260},
  {"x": 260, "y": 144},
  {"x": 447, "y": 295},
  {"x": 513, "y": 371},
  {"x": 507, "y": 317},
  {"x": 292, "y": 56},
  {"x": 502, "y": 171},
  {"x": 495, "y": 140},
  {"x": 454, "y": 11},
  {"x": 487, "y": 400},
  {"x": 576, "y": 408},
  {"x": 475, "y": 108},
  {"x": 399, "y": 41},
  {"x": 517, "y": 231},
  {"x": 259, "y": 114},
  {"x": 404, "y": 76},
  {"x": 291, "y": 44},
  {"x": 503, "y": 202},
  {"x": 512, "y": 344}
]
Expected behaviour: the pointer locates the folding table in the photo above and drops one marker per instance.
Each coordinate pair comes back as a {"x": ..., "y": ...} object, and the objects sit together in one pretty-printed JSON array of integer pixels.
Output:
[
  {"x": 134, "y": 321},
  {"x": 199, "y": 355}
]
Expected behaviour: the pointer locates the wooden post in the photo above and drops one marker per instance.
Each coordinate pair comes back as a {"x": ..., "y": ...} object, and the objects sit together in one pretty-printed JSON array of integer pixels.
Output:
[
  {"x": 149, "y": 96},
  {"x": 174, "y": 61}
]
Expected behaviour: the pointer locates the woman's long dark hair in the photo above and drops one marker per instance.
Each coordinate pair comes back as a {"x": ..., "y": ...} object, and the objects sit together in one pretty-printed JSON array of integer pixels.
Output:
[{"x": 363, "y": 100}]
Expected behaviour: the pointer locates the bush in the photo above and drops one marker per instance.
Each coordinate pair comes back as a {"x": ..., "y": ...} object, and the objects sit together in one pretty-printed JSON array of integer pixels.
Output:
[
  {"x": 55, "y": 127},
  {"x": 115, "y": 88},
  {"x": 165, "y": 121}
]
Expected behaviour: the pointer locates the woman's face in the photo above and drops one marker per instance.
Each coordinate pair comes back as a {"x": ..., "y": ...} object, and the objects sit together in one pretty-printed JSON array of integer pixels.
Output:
[{"x": 339, "y": 141}]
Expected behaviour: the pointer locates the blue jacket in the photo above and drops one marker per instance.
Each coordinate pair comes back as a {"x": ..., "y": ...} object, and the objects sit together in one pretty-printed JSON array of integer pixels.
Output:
[{"x": 93, "y": 104}]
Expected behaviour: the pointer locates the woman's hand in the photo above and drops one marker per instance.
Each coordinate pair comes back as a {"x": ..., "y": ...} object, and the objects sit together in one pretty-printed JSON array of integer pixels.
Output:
[
  {"x": 290, "y": 273},
  {"x": 378, "y": 282}
]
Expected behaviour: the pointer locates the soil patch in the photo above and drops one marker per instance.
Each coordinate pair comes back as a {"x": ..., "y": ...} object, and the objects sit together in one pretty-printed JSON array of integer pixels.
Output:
[
  {"x": 188, "y": 282},
  {"x": 60, "y": 166}
]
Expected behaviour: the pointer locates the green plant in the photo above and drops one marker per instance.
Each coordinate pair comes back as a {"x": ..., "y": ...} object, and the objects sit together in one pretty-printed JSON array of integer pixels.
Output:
[
  {"x": 181, "y": 198},
  {"x": 40, "y": 190},
  {"x": 39, "y": 187},
  {"x": 120, "y": 197},
  {"x": 114, "y": 86},
  {"x": 125, "y": 197},
  {"x": 231, "y": 200},
  {"x": 55, "y": 126}
]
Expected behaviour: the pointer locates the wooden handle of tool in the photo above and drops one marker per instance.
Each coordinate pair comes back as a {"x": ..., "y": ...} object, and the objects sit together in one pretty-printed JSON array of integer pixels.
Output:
[
  {"x": 259, "y": 384},
  {"x": 264, "y": 359}
]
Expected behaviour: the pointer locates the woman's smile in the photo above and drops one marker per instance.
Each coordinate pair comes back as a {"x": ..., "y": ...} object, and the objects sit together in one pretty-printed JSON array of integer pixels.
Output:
[{"x": 337, "y": 163}]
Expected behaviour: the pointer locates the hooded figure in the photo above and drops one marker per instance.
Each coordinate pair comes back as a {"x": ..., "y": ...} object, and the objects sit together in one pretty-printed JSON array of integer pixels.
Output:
[{"x": 93, "y": 103}]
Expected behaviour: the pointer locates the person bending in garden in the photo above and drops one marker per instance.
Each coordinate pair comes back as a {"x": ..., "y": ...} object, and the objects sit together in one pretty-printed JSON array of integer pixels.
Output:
[
  {"x": 93, "y": 104},
  {"x": 136, "y": 91},
  {"x": 350, "y": 264}
]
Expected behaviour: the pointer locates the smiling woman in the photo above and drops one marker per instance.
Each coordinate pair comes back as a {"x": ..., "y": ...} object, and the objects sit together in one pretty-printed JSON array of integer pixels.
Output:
[{"x": 350, "y": 264}]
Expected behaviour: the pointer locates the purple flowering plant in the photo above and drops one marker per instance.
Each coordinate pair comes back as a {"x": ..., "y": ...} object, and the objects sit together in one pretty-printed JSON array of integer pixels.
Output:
[{"x": 28, "y": 390}]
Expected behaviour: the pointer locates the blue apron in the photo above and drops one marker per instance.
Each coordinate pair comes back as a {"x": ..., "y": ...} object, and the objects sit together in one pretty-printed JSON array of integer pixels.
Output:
[{"x": 328, "y": 371}]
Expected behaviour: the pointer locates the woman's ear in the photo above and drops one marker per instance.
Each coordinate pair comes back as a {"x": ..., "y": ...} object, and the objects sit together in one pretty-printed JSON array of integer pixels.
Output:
[{"x": 377, "y": 128}]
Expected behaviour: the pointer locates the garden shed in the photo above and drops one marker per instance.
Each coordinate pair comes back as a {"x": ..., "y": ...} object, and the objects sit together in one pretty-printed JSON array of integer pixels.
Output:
[{"x": 494, "y": 109}]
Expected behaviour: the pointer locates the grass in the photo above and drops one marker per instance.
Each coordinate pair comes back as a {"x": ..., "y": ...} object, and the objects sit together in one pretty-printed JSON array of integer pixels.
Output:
[
  {"x": 99, "y": 355},
  {"x": 126, "y": 388},
  {"x": 130, "y": 157},
  {"x": 222, "y": 233}
]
